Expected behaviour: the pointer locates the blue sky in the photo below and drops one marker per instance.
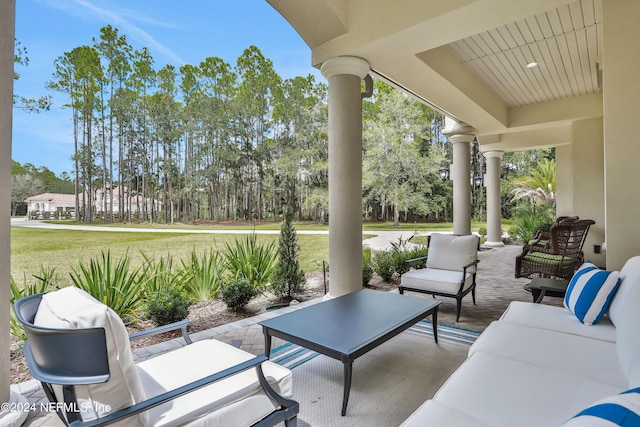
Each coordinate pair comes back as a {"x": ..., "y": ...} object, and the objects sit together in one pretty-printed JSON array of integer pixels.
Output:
[{"x": 176, "y": 33}]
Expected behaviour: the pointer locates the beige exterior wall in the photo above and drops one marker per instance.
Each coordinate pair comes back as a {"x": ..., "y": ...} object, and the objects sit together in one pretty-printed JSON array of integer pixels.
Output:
[
  {"x": 564, "y": 180},
  {"x": 588, "y": 183},
  {"x": 579, "y": 182},
  {"x": 621, "y": 62}
]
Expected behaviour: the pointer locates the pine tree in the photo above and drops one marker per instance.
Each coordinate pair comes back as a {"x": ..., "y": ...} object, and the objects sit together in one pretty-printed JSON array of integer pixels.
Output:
[{"x": 289, "y": 278}]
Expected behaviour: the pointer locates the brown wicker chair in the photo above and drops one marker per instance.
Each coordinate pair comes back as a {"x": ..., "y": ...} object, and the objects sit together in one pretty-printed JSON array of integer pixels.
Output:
[
  {"x": 543, "y": 237},
  {"x": 560, "y": 256}
]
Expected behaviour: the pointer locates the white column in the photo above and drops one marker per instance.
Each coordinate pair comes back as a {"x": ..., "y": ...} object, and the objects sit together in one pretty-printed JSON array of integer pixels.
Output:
[
  {"x": 345, "y": 173},
  {"x": 7, "y": 34},
  {"x": 460, "y": 136},
  {"x": 494, "y": 209}
]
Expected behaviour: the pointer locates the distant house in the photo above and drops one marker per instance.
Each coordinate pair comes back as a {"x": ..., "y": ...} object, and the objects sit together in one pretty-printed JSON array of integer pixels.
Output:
[
  {"x": 56, "y": 205},
  {"x": 46, "y": 205}
]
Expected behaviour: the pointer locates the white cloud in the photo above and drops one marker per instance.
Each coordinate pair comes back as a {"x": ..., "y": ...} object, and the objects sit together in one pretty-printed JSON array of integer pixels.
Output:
[{"x": 118, "y": 19}]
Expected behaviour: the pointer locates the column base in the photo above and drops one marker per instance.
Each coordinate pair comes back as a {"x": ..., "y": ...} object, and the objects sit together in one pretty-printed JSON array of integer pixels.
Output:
[
  {"x": 493, "y": 244},
  {"x": 327, "y": 297},
  {"x": 17, "y": 415}
]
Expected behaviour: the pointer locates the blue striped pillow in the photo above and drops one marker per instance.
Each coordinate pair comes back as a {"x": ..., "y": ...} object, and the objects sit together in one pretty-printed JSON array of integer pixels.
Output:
[
  {"x": 620, "y": 410},
  {"x": 590, "y": 291}
]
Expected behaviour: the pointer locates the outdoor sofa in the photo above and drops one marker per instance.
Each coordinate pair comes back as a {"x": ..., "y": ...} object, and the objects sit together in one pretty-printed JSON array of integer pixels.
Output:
[{"x": 539, "y": 365}]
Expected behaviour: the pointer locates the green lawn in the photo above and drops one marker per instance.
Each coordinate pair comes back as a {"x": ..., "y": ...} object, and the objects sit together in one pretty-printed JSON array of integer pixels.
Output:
[{"x": 61, "y": 249}]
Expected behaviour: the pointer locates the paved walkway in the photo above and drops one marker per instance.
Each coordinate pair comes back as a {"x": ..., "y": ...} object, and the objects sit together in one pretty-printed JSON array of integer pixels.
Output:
[
  {"x": 382, "y": 239},
  {"x": 496, "y": 287}
]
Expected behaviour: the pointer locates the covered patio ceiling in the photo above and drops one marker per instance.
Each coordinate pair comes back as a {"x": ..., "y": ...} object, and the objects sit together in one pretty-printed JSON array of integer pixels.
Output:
[{"x": 469, "y": 59}]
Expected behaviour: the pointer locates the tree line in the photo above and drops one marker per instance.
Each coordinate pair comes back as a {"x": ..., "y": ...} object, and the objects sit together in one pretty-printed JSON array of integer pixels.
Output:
[{"x": 222, "y": 142}]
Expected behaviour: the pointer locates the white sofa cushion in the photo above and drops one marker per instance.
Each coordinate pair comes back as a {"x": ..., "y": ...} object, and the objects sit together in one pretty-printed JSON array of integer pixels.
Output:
[
  {"x": 435, "y": 280},
  {"x": 620, "y": 410},
  {"x": 629, "y": 283},
  {"x": 432, "y": 413},
  {"x": 73, "y": 308},
  {"x": 590, "y": 292},
  {"x": 504, "y": 392},
  {"x": 238, "y": 400},
  {"x": 450, "y": 252},
  {"x": 556, "y": 319},
  {"x": 591, "y": 359}
]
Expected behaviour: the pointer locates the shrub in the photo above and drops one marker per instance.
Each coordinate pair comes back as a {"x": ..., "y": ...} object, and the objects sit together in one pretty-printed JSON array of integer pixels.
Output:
[
  {"x": 533, "y": 217},
  {"x": 246, "y": 259},
  {"x": 367, "y": 270},
  {"x": 237, "y": 293},
  {"x": 160, "y": 274},
  {"x": 418, "y": 252},
  {"x": 288, "y": 277},
  {"x": 166, "y": 306},
  {"x": 482, "y": 231},
  {"x": 201, "y": 275},
  {"x": 112, "y": 283},
  {"x": 46, "y": 281},
  {"x": 384, "y": 265}
]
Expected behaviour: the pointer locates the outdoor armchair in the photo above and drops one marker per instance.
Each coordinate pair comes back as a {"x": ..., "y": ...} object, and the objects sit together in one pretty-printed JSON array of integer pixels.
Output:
[
  {"x": 79, "y": 350},
  {"x": 559, "y": 256},
  {"x": 543, "y": 237},
  {"x": 450, "y": 269}
]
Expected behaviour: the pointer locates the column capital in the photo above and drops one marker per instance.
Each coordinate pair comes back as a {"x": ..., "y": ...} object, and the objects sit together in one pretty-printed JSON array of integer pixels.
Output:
[
  {"x": 493, "y": 154},
  {"x": 345, "y": 65},
  {"x": 460, "y": 132},
  {"x": 458, "y": 128}
]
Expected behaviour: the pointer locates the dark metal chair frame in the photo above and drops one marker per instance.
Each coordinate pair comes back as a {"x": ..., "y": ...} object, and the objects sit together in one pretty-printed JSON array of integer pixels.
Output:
[{"x": 70, "y": 357}]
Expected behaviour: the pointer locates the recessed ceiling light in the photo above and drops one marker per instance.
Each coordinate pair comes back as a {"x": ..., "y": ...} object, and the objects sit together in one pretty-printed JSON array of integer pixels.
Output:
[{"x": 532, "y": 64}]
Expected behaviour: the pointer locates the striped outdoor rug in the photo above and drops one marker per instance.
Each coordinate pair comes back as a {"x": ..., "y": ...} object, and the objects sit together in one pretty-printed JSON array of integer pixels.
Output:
[{"x": 291, "y": 355}]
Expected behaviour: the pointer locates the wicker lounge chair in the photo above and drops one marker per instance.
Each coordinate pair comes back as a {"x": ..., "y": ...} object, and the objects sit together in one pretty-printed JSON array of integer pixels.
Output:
[{"x": 559, "y": 256}]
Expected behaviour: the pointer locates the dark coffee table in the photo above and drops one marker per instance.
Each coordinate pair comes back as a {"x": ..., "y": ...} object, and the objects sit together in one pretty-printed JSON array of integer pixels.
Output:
[{"x": 347, "y": 327}]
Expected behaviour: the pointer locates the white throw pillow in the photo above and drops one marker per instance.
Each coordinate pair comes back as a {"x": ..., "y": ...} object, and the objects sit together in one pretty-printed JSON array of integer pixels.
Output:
[
  {"x": 590, "y": 291},
  {"x": 619, "y": 410},
  {"x": 73, "y": 308}
]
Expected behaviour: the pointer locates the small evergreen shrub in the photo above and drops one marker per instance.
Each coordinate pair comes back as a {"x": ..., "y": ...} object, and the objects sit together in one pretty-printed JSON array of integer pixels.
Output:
[
  {"x": 288, "y": 277},
  {"x": 237, "y": 293},
  {"x": 167, "y": 306},
  {"x": 482, "y": 231}
]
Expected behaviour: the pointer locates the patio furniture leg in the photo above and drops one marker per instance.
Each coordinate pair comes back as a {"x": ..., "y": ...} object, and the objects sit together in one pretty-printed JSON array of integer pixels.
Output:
[
  {"x": 434, "y": 322},
  {"x": 348, "y": 370},
  {"x": 267, "y": 342},
  {"x": 458, "y": 308}
]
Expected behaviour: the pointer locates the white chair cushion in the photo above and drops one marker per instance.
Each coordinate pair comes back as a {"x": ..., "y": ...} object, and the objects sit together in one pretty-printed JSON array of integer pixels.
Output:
[
  {"x": 449, "y": 252},
  {"x": 435, "y": 280},
  {"x": 238, "y": 400},
  {"x": 556, "y": 319},
  {"x": 73, "y": 308}
]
